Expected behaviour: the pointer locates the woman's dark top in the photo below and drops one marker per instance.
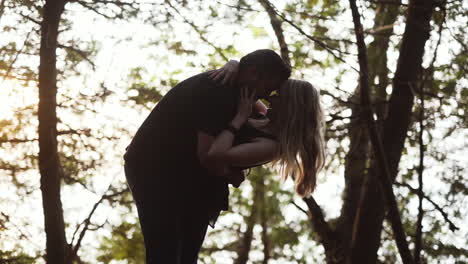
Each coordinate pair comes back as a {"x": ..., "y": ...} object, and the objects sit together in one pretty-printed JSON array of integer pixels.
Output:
[{"x": 245, "y": 135}]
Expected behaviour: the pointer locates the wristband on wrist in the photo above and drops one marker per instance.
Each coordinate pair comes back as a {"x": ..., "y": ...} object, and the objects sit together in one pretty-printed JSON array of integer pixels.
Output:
[{"x": 232, "y": 129}]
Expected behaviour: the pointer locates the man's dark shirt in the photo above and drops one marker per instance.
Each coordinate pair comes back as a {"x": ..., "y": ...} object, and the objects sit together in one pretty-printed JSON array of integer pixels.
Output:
[{"x": 165, "y": 146}]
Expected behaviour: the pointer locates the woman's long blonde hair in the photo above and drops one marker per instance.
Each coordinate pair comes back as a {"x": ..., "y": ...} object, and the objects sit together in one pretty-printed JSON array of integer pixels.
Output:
[{"x": 300, "y": 135}]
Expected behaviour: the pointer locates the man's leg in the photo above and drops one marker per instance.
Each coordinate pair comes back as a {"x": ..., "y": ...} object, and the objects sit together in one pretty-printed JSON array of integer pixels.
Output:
[
  {"x": 158, "y": 220},
  {"x": 194, "y": 230},
  {"x": 162, "y": 237}
]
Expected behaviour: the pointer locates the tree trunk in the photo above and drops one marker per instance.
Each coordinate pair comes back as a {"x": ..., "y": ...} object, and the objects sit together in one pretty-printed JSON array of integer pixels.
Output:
[
  {"x": 395, "y": 126},
  {"x": 276, "y": 25},
  {"x": 49, "y": 163},
  {"x": 384, "y": 181},
  {"x": 245, "y": 243},
  {"x": 264, "y": 221},
  {"x": 358, "y": 155}
]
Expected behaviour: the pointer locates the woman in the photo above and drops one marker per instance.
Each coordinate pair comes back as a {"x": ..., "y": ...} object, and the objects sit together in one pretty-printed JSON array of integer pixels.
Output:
[{"x": 290, "y": 135}]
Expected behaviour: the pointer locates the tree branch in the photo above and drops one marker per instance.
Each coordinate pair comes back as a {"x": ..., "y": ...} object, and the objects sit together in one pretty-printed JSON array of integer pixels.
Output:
[
  {"x": 30, "y": 19},
  {"x": 86, "y": 132},
  {"x": 276, "y": 25},
  {"x": 81, "y": 53},
  {"x": 10, "y": 67},
  {"x": 199, "y": 32},
  {"x": 452, "y": 226},
  {"x": 318, "y": 222},
  {"x": 87, "y": 222},
  {"x": 91, "y": 8},
  {"x": 314, "y": 39},
  {"x": 384, "y": 179},
  {"x": 17, "y": 140},
  {"x": 418, "y": 235},
  {"x": 117, "y": 3},
  {"x": 418, "y": 240},
  {"x": 384, "y": 2},
  {"x": 300, "y": 208}
]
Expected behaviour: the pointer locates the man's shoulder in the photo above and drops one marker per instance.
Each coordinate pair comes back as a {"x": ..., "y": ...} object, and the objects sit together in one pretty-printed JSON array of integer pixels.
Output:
[{"x": 201, "y": 79}]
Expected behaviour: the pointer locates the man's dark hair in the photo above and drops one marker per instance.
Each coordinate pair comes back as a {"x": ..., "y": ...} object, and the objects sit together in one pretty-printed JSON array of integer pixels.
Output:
[{"x": 267, "y": 62}]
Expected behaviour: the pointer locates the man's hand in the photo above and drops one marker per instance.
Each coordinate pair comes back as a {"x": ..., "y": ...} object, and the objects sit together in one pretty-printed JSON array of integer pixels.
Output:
[{"x": 236, "y": 177}]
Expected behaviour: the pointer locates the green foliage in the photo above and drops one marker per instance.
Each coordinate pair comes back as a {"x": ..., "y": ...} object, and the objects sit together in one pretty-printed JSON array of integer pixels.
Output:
[
  {"x": 179, "y": 49},
  {"x": 145, "y": 93},
  {"x": 14, "y": 257},
  {"x": 258, "y": 32},
  {"x": 124, "y": 243}
]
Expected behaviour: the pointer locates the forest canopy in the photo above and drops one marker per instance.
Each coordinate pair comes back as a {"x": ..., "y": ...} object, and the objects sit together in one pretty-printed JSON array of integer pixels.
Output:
[{"x": 78, "y": 77}]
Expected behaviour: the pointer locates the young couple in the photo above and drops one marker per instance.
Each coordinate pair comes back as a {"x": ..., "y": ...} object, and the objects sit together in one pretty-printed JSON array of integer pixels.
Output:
[{"x": 204, "y": 133}]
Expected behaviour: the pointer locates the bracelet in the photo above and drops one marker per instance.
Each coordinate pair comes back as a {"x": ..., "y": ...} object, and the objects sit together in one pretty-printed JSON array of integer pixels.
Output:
[{"x": 232, "y": 129}]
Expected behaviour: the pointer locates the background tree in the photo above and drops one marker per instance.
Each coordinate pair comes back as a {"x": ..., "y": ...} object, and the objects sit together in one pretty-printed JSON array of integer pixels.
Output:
[{"x": 104, "y": 93}]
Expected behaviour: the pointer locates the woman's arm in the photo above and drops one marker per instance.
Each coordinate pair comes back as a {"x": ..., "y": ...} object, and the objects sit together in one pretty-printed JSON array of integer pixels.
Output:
[
  {"x": 220, "y": 155},
  {"x": 234, "y": 176},
  {"x": 259, "y": 151}
]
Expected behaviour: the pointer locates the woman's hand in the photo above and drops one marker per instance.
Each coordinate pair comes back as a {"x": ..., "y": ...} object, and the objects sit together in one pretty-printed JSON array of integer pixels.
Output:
[
  {"x": 227, "y": 74},
  {"x": 244, "y": 108}
]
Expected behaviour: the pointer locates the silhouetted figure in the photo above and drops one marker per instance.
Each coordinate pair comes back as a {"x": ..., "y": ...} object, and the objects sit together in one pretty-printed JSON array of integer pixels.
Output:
[{"x": 176, "y": 196}]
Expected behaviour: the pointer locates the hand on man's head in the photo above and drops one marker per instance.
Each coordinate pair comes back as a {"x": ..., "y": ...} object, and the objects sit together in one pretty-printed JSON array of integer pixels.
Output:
[{"x": 226, "y": 75}]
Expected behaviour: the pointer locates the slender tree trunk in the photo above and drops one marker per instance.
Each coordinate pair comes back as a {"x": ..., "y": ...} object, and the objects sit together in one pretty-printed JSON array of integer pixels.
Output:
[
  {"x": 246, "y": 241},
  {"x": 276, "y": 25},
  {"x": 49, "y": 163},
  {"x": 264, "y": 221},
  {"x": 418, "y": 236},
  {"x": 326, "y": 234},
  {"x": 358, "y": 156},
  {"x": 395, "y": 126},
  {"x": 386, "y": 16},
  {"x": 383, "y": 172}
]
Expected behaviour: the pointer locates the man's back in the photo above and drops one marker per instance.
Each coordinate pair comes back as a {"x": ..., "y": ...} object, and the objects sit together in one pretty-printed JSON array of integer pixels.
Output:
[{"x": 167, "y": 139}]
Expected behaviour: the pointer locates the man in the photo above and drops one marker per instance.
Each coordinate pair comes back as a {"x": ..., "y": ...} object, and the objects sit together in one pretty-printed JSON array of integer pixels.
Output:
[{"x": 175, "y": 196}]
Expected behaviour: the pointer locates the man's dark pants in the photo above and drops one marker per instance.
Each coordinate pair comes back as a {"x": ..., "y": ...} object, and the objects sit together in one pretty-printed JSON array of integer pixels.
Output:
[{"x": 172, "y": 235}]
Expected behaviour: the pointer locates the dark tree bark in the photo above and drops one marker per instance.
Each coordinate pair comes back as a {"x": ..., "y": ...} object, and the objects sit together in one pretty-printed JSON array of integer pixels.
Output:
[
  {"x": 418, "y": 236},
  {"x": 361, "y": 169},
  {"x": 395, "y": 126},
  {"x": 327, "y": 236},
  {"x": 49, "y": 163},
  {"x": 357, "y": 158},
  {"x": 385, "y": 17},
  {"x": 264, "y": 221},
  {"x": 276, "y": 25},
  {"x": 245, "y": 243},
  {"x": 383, "y": 172}
]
